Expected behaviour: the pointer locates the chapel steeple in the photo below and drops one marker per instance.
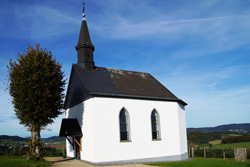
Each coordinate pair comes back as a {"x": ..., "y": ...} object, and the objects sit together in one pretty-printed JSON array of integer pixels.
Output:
[{"x": 84, "y": 47}]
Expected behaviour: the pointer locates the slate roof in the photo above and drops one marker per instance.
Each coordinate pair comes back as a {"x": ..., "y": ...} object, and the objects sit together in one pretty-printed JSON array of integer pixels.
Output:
[
  {"x": 70, "y": 127},
  {"x": 106, "y": 82},
  {"x": 84, "y": 37}
]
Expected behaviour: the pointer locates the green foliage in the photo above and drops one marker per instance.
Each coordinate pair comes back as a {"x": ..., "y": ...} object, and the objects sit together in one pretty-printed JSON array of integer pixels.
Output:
[
  {"x": 215, "y": 142},
  {"x": 236, "y": 139},
  {"x": 232, "y": 145},
  {"x": 20, "y": 151},
  {"x": 200, "y": 162},
  {"x": 36, "y": 85},
  {"x": 21, "y": 162},
  {"x": 203, "y": 138}
]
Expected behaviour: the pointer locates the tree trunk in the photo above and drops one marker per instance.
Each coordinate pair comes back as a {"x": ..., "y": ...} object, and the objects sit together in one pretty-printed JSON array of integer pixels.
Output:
[{"x": 35, "y": 143}]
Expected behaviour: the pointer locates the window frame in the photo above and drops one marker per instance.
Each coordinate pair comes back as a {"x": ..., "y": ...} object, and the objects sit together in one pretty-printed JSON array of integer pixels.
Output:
[
  {"x": 127, "y": 126},
  {"x": 157, "y": 124}
]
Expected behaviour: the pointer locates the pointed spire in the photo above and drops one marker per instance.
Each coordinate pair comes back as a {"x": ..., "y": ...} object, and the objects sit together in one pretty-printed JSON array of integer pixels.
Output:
[{"x": 84, "y": 46}]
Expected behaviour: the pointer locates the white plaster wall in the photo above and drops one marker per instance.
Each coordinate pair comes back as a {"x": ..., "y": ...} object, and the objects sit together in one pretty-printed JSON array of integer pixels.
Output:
[
  {"x": 74, "y": 112},
  {"x": 99, "y": 119},
  {"x": 106, "y": 137},
  {"x": 83, "y": 113},
  {"x": 88, "y": 145}
]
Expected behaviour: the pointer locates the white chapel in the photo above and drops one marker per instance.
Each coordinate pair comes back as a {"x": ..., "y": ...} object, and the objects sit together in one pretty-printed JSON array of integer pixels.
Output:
[{"x": 116, "y": 116}]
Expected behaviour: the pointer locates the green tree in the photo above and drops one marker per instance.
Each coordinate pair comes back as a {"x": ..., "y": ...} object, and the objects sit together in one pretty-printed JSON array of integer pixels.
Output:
[{"x": 36, "y": 84}]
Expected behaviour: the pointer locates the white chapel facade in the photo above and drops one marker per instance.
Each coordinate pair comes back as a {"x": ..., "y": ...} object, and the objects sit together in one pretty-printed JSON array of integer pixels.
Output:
[{"x": 116, "y": 116}]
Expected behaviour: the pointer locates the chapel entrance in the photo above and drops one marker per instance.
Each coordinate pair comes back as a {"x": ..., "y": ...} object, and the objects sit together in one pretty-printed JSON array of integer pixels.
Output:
[
  {"x": 78, "y": 147},
  {"x": 70, "y": 129}
]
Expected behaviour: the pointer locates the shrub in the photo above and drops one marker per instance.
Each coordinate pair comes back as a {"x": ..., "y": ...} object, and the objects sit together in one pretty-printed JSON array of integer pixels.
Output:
[{"x": 236, "y": 139}]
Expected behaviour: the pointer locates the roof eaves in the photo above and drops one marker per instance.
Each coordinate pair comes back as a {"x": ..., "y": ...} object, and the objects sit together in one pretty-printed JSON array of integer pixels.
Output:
[
  {"x": 97, "y": 94},
  {"x": 77, "y": 102},
  {"x": 67, "y": 94}
]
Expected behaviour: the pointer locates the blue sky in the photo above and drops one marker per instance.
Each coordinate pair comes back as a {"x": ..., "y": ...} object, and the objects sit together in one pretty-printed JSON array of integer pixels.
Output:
[{"x": 199, "y": 49}]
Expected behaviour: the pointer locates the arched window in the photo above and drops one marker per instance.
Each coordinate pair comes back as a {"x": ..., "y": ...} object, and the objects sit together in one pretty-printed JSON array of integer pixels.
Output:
[
  {"x": 155, "y": 122},
  {"x": 124, "y": 125}
]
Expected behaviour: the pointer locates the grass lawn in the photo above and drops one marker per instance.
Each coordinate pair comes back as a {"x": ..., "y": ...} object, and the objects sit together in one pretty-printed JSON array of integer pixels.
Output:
[
  {"x": 12, "y": 161},
  {"x": 57, "y": 142},
  {"x": 234, "y": 135},
  {"x": 201, "y": 162},
  {"x": 231, "y": 145},
  {"x": 215, "y": 142},
  {"x": 61, "y": 142}
]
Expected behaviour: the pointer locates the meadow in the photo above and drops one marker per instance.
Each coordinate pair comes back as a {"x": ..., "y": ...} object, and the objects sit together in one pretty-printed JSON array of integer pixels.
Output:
[
  {"x": 216, "y": 144},
  {"x": 203, "y": 162},
  {"x": 232, "y": 145},
  {"x": 11, "y": 161}
]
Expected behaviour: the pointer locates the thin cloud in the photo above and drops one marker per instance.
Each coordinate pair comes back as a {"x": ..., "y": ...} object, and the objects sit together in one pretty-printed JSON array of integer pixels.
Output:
[
  {"x": 219, "y": 107},
  {"x": 208, "y": 94},
  {"x": 201, "y": 79},
  {"x": 208, "y": 33},
  {"x": 47, "y": 22},
  {"x": 125, "y": 28},
  {"x": 38, "y": 22},
  {"x": 7, "y": 119}
]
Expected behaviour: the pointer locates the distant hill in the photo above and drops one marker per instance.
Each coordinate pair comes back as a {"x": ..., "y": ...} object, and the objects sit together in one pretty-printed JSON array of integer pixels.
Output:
[
  {"x": 214, "y": 133},
  {"x": 6, "y": 138},
  {"x": 233, "y": 128},
  {"x": 53, "y": 139}
]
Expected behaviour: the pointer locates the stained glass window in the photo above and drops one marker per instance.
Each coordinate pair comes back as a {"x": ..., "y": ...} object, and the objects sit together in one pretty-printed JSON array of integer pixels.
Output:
[
  {"x": 124, "y": 125},
  {"x": 155, "y": 122}
]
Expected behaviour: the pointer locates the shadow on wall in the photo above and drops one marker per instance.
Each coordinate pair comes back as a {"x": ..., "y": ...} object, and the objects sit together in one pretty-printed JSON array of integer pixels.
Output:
[
  {"x": 181, "y": 106},
  {"x": 77, "y": 112}
]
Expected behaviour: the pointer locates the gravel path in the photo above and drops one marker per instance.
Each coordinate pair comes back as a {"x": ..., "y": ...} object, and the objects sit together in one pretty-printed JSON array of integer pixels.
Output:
[{"x": 60, "y": 162}]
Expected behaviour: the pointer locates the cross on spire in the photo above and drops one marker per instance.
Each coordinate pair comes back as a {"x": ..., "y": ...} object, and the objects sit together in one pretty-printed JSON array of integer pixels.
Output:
[{"x": 83, "y": 9}]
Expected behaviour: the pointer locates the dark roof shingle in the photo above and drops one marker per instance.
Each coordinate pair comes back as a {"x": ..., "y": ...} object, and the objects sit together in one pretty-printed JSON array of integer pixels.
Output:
[
  {"x": 70, "y": 127},
  {"x": 114, "y": 83}
]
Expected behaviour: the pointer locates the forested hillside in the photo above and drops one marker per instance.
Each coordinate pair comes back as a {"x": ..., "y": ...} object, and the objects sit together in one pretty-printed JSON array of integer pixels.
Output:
[{"x": 233, "y": 128}]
